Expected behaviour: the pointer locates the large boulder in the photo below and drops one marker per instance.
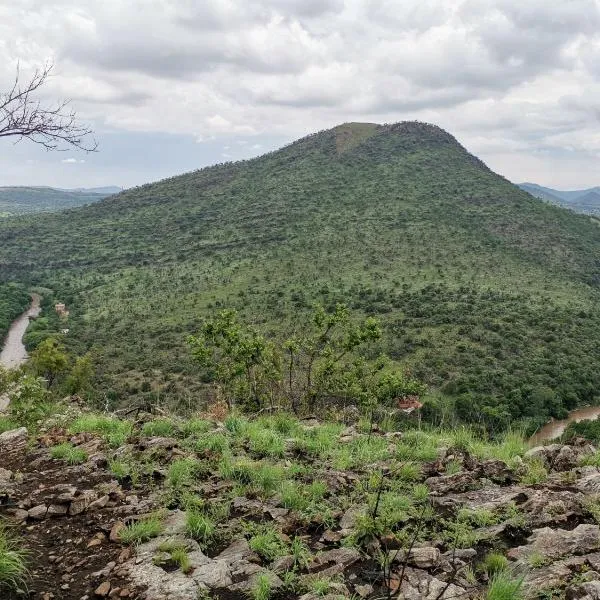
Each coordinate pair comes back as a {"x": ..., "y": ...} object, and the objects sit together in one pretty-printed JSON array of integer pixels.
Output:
[{"x": 554, "y": 544}]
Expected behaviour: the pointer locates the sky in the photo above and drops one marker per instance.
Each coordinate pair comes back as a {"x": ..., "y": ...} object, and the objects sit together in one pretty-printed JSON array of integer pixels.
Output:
[{"x": 173, "y": 85}]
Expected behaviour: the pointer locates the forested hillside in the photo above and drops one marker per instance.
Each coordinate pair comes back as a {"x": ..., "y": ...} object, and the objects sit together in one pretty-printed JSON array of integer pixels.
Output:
[{"x": 486, "y": 293}]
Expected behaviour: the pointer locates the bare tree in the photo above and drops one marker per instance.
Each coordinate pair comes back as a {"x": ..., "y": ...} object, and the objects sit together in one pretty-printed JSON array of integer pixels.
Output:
[{"x": 53, "y": 127}]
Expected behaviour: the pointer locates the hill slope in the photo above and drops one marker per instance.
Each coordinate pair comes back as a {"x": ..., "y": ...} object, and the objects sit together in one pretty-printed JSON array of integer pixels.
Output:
[
  {"x": 485, "y": 292},
  {"x": 582, "y": 201},
  {"x": 20, "y": 200}
]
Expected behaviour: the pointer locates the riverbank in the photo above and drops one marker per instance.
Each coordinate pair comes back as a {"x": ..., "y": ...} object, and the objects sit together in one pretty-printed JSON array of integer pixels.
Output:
[{"x": 14, "y": 353}]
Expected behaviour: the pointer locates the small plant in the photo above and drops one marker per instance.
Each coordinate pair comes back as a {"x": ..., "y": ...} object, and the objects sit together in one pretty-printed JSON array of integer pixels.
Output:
[
  {"x": 267, "y": 543},
  {"x": 196, "y": 427},
  {"x": 200, "y": 527},
  {"x": 494, "y": 563},
  {"x": 159, "y": 428},
  {"x": 142, "y": 530},
  {"x": 178, "y": 556},
  {"x": 535, "y": 472},
  {"x": 505, "y": 586},
  {"x": 453, "y": 467},
  {"x": 320, "y": 587},
  {"x": 13, "y": 565},
  {"x": 182, "y": 472},
  {"x": 69, "y": 453},
  {"x": 479, "y": 517},
  {"x": 537, "y": 560},
  {"x": 261, "y": 588},
  {"x": 300, "y": 553}
]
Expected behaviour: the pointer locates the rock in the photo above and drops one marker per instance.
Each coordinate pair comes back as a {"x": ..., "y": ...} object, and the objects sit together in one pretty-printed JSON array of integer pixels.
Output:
[
  {"x": 348, "y": 520},
  {"x": 283, "y": 564},
  {"x": 38, "y": 513},
  {"x": 157, "y": 443},
  {"x": 419, "y": 585},
  {"x": 552, "y": 507},
  {"x": 566, "y": 459},
  {"x": 457, "y": 482},
  {"x": 17, "y": 514},
  {"x": 364, "y": 591},
  {"x": 338, "y": 556},
  {"x": 5, "y": 476},
  {"x": 100, "y": 503},
  {"x": 81, "y": 502},
  {"x": 423, "y": 558},
  {"x": 585, "y": 591},
  {"x": 57, "y": 510},
  {"x": 115, "y": 531},
  {"x": 103, "y": 589},
  {"x": 557, "y": 543},
  {"x": 237, "y": 552},
  {"x": 14, "y": 435}
]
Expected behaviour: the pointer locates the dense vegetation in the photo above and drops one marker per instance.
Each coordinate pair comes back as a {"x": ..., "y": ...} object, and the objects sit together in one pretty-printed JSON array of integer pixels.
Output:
[
  {"x": 13, "y": 301},
  {"x": 21, "y": 199},
  {"x": 483, "y": 292}
]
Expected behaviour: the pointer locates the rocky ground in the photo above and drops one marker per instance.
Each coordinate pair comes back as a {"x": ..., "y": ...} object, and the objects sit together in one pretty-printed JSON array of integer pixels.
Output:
[{"x": 286, "y": 521}]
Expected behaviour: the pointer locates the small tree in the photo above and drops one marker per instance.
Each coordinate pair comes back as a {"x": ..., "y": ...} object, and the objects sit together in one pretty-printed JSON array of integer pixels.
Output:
[
  {"x": 237, "y": 358},
  {"x": 81, "y": 375},
  {"x": 49, "y": 360},
  {"x": 54, "y": 127}
]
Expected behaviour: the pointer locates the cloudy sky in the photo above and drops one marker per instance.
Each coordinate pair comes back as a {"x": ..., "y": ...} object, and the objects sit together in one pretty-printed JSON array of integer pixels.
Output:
[{"x": 172, "y": 85}]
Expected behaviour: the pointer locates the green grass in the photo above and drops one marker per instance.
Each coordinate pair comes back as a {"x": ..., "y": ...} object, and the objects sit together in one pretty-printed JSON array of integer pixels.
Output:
[
  {"x": 114, "y": 431},
  {"x": 505, "y": 586},
  {"x": 68, "y": 453},
  {"x": 200, "y": 527},
  {"x": 141, "y": 531},
  {"x": 494, "y": 563},
  {"x": 267, "y": 543},
  {"x": 13, "y": 561},
  {"x": 159, "y": 428},
  {"x": 178, "y": 555},
  {"x": 261, "y": 588}
]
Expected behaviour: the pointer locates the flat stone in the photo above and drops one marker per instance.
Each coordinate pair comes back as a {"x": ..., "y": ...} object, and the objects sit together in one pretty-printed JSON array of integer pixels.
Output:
[
  {"x": 38, "y": 513},
  {"x": 103, "y": 589},
  {"x": 13, "y": 435},
  {"x": 422, "y": 558},
  {"x": 57, "y": 510},
  {"x": 82, "y": 502}
]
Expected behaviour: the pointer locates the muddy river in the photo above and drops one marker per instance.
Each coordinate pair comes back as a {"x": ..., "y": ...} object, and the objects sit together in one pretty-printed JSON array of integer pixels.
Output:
[
  {"x": 13, "y": 353},
  {"x": 554, "y": 429}
]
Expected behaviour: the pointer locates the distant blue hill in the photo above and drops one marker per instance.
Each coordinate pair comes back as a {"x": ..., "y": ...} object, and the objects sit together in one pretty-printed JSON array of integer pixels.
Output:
[
  {"x": 18, "y": 200},
  {"x": 582, "y": 201}
]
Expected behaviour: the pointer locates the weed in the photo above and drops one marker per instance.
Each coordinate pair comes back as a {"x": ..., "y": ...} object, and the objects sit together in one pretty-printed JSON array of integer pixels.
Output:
[
  {"x": 267, "y": 543},
  {"x": 159, "y": 428},
  {"x": 178, "y": 555},
  {"x": 505, "y": 586},
  {"x": 114, "y": 431},
  {"x": 182, "y": 472},
  {"x": 200, "y": 527},
  {"x": 535, "y": 472},
  {"x": 261, "y": 588},
  {"x": 69, "y": 453},
  {"x": 494, "y": 563},
  {"x": 13, "y": 565},
  {"x": 142, "y": 530},
  {"x": 265, "y": 443}
]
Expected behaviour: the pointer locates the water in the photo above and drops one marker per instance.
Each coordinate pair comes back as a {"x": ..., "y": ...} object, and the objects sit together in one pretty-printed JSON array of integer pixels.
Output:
[
  {"x": 13, "y": 353},
  {"x": 554, "y": 429}
]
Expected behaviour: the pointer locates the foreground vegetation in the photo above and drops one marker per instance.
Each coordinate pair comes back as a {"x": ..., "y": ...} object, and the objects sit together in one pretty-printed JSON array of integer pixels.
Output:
[{"x": 484, "y": 293}]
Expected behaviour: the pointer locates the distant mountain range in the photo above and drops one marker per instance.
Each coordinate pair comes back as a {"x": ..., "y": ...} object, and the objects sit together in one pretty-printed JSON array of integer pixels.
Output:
[
  {"x": 581, "y": 201},
  {"x": 17, "y": 200}
]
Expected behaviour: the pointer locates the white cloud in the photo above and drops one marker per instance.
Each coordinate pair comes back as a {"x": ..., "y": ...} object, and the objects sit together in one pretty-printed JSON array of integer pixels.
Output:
[
  {"x": 72, "y": 161},
  {"x": 507, "y": 77}
]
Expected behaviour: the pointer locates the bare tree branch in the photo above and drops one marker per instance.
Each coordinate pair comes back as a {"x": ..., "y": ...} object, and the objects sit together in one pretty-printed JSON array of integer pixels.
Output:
[{"x": 54, "y": 127}]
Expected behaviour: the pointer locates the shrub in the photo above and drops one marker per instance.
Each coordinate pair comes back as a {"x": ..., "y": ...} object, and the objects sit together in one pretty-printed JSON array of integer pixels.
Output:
[{"x": 267, "y": 543}]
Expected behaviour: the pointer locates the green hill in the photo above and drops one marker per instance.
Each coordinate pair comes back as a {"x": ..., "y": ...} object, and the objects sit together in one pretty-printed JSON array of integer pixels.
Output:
[
  {"x": 486, "y": 293},
  {"x": 19, "y": 200},
  {"x": 582, "y": 201}
]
